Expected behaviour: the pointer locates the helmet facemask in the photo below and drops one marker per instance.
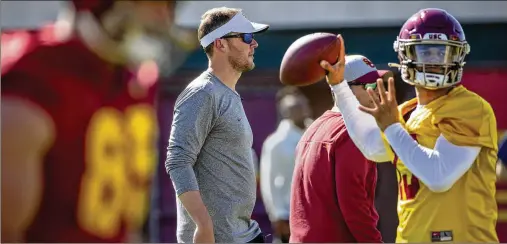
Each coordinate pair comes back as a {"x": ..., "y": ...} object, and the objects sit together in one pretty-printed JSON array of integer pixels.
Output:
[{"x": 432, "y": 62}]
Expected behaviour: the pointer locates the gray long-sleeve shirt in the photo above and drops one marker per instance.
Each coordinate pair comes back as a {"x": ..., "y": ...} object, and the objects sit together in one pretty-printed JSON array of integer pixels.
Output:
[{"x": 210, "y": 151}]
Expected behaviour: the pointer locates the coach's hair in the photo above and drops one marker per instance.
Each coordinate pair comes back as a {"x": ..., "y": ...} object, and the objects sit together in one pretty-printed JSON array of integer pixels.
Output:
[{"x": 213, "y": 19}]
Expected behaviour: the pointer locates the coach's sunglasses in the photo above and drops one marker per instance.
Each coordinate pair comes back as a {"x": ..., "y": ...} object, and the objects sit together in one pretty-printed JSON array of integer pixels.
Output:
[{"x": 246, "y": 37}]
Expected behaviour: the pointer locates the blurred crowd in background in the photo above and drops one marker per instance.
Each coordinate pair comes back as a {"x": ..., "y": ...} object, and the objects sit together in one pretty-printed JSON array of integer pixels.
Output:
[{"x": 369, "y": 28}]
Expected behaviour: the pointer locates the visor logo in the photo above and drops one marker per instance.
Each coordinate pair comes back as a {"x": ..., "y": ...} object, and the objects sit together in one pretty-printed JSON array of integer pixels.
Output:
[{"x": 368, "y": 62}]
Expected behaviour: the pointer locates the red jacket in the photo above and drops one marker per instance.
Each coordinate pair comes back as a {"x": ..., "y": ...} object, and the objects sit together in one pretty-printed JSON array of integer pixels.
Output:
[{"x": 333, "y": 188}]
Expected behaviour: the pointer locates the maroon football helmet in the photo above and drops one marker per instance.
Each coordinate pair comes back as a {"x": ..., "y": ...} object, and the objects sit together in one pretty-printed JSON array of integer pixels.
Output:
[{"x": 431, "y": 48}]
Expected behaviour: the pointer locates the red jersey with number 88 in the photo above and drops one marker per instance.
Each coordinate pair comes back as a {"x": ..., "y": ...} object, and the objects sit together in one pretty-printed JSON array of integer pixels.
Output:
[{"x": 97, "y": 172}]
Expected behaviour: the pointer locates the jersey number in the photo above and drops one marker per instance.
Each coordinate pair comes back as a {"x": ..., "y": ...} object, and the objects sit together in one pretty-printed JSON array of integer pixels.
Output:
[
  {"x": 407, "y": 182},
  {"x": 120, "y": 159}
]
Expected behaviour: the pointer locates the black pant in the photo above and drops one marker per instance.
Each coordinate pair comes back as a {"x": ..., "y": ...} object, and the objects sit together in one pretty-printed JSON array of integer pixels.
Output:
[{"x": 258, "y": 239}]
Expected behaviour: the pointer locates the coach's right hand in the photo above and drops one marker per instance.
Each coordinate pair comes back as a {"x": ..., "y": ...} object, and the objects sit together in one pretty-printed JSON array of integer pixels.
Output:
[
  {"x": 204, "y": 234},
  {"x": 335, "y": 72}
]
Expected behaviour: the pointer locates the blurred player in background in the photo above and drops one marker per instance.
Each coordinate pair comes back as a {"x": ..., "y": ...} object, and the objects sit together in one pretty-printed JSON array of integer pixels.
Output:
[
  {"x": 278, "y": 158},
  {"x": 444, "y": 141},
  {"x": 78, "y": 124}
]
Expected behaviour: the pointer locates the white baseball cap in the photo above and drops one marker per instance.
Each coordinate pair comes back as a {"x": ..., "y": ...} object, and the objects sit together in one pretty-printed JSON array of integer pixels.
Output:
[
  {"x": 239, "y": 24},
  {"x": 359, "y": 69}
]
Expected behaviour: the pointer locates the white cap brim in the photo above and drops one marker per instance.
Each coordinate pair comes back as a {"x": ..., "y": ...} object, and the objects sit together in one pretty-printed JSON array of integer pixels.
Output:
[{"x": 238, "y": 24}]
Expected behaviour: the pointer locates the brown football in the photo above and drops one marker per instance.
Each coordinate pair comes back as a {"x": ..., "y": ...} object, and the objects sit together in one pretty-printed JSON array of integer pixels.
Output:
[{"x": 301, "y": 62}]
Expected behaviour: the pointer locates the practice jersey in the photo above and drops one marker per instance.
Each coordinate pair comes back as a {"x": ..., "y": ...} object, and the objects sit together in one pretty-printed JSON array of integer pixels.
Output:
[
  {"x": 97, "y": 173},
  {"x": 468, "y": 211}
]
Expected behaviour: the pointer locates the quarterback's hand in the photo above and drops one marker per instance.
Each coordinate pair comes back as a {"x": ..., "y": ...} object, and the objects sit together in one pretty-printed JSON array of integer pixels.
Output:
[
  {"x": 385, "y": 110},
  {"x": 335, "y": 72}
]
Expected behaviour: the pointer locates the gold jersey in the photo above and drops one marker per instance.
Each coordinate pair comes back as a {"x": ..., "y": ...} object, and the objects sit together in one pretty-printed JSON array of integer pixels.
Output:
[{"x": 468, "y": 211}]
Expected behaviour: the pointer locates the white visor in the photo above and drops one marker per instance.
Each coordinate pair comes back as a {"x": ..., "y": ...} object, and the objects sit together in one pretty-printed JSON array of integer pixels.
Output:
[{"x": 238, "y": 24}]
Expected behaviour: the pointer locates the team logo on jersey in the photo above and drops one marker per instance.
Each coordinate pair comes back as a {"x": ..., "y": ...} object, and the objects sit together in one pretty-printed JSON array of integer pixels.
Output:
[{"x": 441, "y": 236}]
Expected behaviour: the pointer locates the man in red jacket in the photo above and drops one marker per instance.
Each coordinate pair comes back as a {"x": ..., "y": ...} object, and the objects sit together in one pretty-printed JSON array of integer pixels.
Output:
[{"x": 328, "y": 161}]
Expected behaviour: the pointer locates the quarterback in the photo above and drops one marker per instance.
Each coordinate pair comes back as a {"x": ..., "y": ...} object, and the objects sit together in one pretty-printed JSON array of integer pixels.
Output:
[
  {"x": 78, "y": 125},
  {"x": 443, "y": 142}
]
